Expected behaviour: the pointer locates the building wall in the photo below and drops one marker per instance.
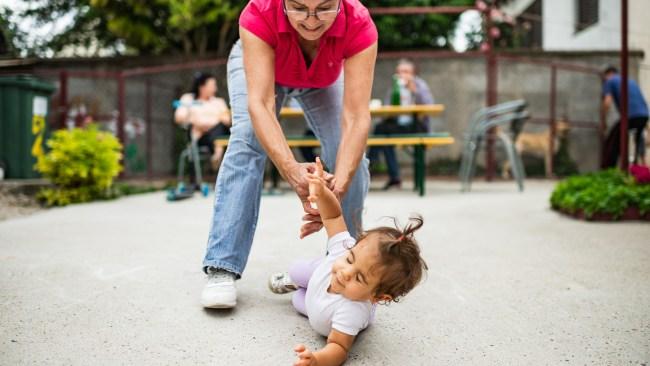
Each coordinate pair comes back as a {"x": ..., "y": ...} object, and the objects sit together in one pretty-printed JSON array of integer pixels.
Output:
[
  {"x": 559, "y": 27},
  {"x": 559, "y": 31},
  {"x": 639, "y": 38}
]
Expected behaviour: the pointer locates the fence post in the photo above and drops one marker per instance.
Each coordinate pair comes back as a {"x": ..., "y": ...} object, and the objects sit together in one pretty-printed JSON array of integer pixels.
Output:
[
  {"x": 491, "y": 92},
  {"x": 121, "y": 110},
  {"x": 148, "y": 127},
  {"x": 63, "y": 98},
  {"x": 624, "y": 85},
  {"x": 552, "y": 115}
]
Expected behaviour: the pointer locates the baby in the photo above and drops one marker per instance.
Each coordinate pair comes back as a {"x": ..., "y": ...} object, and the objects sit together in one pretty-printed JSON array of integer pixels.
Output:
[{"x": 339, "y": 293}]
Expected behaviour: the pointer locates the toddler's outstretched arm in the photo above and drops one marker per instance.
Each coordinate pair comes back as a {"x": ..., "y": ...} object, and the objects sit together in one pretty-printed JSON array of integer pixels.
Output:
[
  {"x": 328, "y": 205},
  {"x": 333, "y": 354}
]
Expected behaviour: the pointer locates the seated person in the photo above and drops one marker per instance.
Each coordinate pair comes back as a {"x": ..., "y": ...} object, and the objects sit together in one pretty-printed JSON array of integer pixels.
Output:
[
  {"x": 208, "y": 115},
  {"x": 412, "y": 90}
]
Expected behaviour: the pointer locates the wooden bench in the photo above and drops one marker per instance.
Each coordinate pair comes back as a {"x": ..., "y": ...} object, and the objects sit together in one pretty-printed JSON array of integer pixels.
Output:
[
  {"x": 432, "y": 110},
  {"x": 420, "y": 142}
]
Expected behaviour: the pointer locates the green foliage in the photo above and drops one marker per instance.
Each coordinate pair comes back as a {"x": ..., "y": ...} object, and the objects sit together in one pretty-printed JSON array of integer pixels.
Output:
[
  {"x": 194, "y": 19},
  {"x": 205, "y": 26},
  {"x": 399, "y": 32},
  {"x": 88, "y": 29},
  {"x": 141, "y": 27},
  {"x": 12, "y": 40},
  {"x": 81, "y": 164},
  {"x": 609, "y": 192}
]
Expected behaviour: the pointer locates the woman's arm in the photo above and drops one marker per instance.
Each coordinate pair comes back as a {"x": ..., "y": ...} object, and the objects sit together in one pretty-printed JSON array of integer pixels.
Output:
[
  {"x": 259, "y": 65},
  {"x": 604, "y": 106},
  {"x": 333, "y": 354},
  {"x": 355, "y": 121}
]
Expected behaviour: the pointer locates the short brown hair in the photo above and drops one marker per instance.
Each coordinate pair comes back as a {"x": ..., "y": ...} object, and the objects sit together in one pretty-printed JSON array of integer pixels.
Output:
[{"x": 402, "y": 265}]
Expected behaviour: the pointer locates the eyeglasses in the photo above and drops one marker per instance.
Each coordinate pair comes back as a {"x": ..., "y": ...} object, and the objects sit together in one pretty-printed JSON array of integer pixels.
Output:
[{"x": 302, "y": 15}]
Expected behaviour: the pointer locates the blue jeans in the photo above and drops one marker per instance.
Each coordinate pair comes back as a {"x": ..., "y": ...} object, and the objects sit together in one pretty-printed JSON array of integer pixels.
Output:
[{"x": 239, "y": 183}]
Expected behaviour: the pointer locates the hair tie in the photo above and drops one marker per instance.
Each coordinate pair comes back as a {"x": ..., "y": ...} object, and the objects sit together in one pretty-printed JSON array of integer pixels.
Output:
[{"x": 400, "y": 238}]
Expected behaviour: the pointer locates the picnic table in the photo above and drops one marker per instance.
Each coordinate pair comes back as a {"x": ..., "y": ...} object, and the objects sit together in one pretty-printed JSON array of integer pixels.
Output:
[
  {"x": 381, "y": 111},
  {"x": 419, "y": 141}
]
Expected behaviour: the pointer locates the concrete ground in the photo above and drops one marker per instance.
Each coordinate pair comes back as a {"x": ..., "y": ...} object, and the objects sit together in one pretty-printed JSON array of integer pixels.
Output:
[{"x": 510, "y": 283}]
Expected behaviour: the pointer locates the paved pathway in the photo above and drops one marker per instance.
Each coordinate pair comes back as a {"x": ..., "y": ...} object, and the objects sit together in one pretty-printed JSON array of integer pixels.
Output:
[{"x": 511, "y": 283}]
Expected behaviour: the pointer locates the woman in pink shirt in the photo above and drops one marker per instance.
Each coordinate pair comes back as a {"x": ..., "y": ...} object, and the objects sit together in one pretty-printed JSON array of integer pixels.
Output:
[{"x": 322, "y": 53}]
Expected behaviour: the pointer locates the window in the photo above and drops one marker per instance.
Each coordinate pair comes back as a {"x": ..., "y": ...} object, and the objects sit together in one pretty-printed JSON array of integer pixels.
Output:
[
  {"x": 529, "y": 26},
  {"x": 586, "y": 14}
]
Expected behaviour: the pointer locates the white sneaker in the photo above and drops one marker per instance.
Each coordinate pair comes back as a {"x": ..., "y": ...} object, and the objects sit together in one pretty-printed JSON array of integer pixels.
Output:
[
  {"x": 281, "y": 283},
  {"x": 220, "y": 291}
]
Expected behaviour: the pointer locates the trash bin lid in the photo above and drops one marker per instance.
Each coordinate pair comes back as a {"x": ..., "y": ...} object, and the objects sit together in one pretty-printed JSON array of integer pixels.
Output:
[{"x": 27, "y": 82}]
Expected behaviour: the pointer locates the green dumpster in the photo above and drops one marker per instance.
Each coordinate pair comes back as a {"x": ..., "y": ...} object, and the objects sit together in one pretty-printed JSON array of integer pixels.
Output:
[{"x": 23, "y": 128}]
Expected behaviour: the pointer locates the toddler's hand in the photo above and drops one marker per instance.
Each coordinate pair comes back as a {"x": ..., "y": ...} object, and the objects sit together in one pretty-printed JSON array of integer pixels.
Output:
[
  {"x": 316, "y": 182},
  {"x": 316, "y": 187},
  {"x": 305, "y": 356}
]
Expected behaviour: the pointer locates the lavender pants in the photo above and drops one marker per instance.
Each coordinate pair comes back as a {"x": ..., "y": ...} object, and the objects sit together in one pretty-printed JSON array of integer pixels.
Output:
[{"x": 300, "y": 272}]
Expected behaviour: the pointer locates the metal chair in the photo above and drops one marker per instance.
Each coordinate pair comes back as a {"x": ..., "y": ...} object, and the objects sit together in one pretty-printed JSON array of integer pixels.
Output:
[
  {"x": 192, "y": 154},
  {"x": 511, "y": 113}
]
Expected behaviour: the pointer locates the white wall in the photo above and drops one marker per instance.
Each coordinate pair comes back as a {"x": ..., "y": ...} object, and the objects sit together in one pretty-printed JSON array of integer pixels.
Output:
[
  {"x": 559, "y": 27},
  {"x": 559, "y": 31},
  {"x": 639, "y": 39}
]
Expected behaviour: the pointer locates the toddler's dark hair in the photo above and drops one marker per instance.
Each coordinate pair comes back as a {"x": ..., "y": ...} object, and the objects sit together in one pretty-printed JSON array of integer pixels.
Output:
[{"x": 400, "y": 261}]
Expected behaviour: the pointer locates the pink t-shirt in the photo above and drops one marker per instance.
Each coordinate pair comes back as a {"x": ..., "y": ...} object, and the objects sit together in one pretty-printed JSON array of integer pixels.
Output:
[{"x": 352, "y": 32}]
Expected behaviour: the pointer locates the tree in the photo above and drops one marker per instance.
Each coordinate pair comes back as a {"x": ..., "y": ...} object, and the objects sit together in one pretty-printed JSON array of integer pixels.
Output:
[
  {"x": 195, "y": 19},
  {"x": 399, "y": 32},
  {"x": 88, "y": 30},
  {"x": 11, "y": 38},
  {"x": 142, "y": 27},
  {"x": 156, "y": 27}
]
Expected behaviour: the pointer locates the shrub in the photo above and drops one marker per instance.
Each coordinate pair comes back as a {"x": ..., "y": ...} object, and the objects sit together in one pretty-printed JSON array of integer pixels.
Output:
[
  {"x": 609, "y": 192},
  {"x": 81, "y": 163}
]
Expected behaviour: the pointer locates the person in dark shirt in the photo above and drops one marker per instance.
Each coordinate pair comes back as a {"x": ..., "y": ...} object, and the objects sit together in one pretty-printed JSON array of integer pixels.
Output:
[{"x": 637, "y": 116}]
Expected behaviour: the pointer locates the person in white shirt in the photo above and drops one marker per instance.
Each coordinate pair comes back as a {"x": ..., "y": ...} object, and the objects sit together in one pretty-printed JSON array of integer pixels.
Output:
[
  {"x": 339, "y": 293},
  {"x": 208, "y": 115}
]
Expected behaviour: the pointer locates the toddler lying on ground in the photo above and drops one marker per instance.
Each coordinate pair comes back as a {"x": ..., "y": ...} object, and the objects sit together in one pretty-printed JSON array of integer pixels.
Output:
[{"x": 339, "y": 293}]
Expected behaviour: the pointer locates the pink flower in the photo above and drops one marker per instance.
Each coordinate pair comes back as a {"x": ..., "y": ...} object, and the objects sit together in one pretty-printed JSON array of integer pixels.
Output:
[
  {"x": 641, "y": 173},
  {"x": 495, "y": 32}
]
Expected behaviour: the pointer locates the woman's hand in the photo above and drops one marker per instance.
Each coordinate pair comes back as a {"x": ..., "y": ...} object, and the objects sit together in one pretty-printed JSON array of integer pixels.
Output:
[
  {"x": 305, "y": 356},
  {"x": 296, "y": 175}
]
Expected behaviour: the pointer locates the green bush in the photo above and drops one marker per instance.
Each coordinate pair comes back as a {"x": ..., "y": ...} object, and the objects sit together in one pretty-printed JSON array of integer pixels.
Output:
[
  {"x": 81, "y": 163},
  {"x": 608, "y": 192}
]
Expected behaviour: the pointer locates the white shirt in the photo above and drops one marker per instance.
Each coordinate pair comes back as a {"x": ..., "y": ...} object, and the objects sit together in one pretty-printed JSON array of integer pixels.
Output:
[{"x": 328, "y": 311}]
